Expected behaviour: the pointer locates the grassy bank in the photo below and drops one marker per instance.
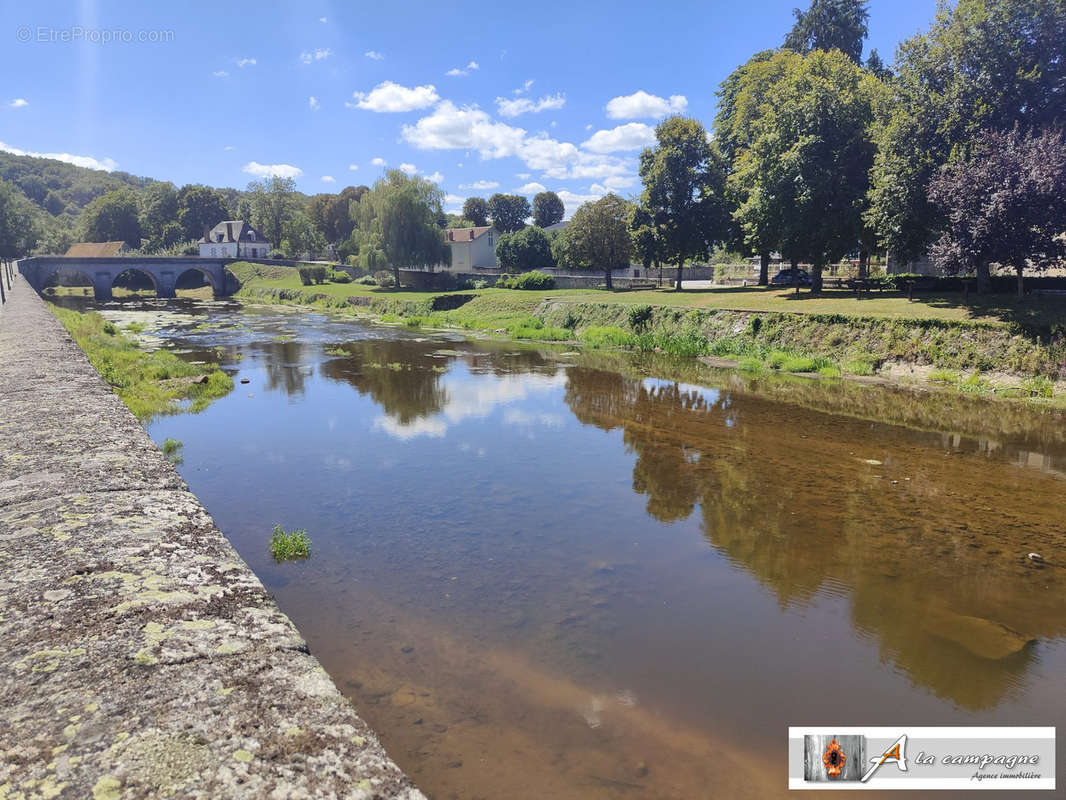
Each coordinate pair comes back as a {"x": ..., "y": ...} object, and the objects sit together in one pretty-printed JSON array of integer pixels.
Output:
[
  {"x": 988, "y": 347},
  {"x": 150, "y": 384}
]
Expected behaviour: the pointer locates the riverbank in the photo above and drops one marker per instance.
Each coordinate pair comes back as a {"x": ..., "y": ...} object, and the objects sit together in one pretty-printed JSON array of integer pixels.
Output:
[
  {"x": 149, "y": 384},
  {"x": 142, "y": 657},
  {"x": 989, "y": 348}
]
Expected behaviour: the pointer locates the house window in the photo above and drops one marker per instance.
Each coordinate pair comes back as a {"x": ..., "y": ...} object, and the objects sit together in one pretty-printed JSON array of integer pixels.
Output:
[
  {"x": 490, "y": 240},
  {"x": 251, "y": 236},
  {"x": 218, "y": 237},
  {"x": 254, "y": 253}
]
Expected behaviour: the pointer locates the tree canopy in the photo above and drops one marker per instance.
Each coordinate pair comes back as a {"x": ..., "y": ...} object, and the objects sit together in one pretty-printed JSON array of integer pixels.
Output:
[
  {"x": 598, "y": 236},
  {"x": 112, "y": 217},
  {"x": 684, "y": 191},
  {"x": 509, "y": 212},
  {"x": 1004, "y": 202},
  {"x": 476, "y": 209},
  {"x": 548, "y": 209},
  {"x": 830, "y": 25},
  {"x": 529, "y": 248}
]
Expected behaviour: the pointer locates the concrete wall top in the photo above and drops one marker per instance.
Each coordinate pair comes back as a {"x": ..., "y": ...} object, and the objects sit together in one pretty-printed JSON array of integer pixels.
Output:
[{"x": 141, "y": 656}]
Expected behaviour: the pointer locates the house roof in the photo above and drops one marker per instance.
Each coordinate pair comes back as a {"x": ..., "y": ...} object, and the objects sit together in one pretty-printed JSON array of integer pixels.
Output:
[
  {"x": 558, "y": 226},
  {"x": 95, "y": 249},
  {"x": 466, "y": 234},
  {"x": 232, "y": 230}
]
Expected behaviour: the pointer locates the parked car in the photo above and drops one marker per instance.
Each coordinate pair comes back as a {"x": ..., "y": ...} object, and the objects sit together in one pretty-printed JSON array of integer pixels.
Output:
[{"x": 791, "y": 277}]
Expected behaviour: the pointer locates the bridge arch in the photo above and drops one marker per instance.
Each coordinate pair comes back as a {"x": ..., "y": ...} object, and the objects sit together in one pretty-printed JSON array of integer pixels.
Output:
[
  {"x": 130, "y": 275},
  {"x": 71, "y": 276},
  {"x": 206, "y": 274}
]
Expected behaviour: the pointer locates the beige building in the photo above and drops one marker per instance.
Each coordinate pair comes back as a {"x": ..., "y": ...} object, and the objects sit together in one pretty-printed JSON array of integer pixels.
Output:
[{"x": 472, "y": 248}]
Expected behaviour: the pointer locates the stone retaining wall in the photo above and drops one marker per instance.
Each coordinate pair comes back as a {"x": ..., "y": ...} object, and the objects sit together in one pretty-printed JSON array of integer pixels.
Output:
[{"x": 141, "y": 656}]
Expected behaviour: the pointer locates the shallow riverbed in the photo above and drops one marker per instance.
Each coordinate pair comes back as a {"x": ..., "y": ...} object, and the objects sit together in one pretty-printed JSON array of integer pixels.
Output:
[{"x": 539, "y": 573}]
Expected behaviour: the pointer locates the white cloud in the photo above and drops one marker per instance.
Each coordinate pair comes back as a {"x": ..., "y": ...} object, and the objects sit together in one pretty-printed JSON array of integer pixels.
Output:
[
  {"x": 522, "y": 176},
  {"x": 456, "y": 72},
  {"x": 532, "y": 188},
  {"x": 19, "y": 102},
  {"x": 245, "y": 62},
  {"x": 436, "y": 177},
  {"x": 374, "y": 55},
  {"x": 523, "y": 105},
  {"x": 323, "y": 19},
  {"x": 480, "y": 186},
  {"x": 525, "y": 87},
  {"x": 571, "y": 201},
  {"x": 453, "y": 199},
  {"x": 588, "y": 127},
  {"x": 268, "y": 170},
  {"x": 378, "y": 162},
  {"x": 353, "y": 167},
  {"x": 328, "y": 179},
  {"x": 631, "y": 136},
  {"x": 220, "y": 73},
  {"x": 451, "y": 128},
  {"x": 391, "y": 97},
  {"x": 312, "y": 103},
  {"x": 410, "y": 169},
  {"x": 318, "y": 54},
  {"x": 105, "y": 164},
  {"x": 229, "y": 147},
  {"x": 642, "y": 104}
]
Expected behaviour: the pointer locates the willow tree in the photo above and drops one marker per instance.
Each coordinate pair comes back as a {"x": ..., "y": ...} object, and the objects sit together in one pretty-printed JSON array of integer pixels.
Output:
[{"x": 399, "y": 217}]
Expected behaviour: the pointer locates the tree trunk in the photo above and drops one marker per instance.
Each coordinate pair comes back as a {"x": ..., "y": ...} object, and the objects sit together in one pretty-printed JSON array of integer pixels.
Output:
[
  {"x": 764, "y": 269},
  {"x": 607, "y": 276},
  {"x": 816, "y": 278},
  {"x": 1021, "y": 283},
  {"x": 984, "y": 278},
  {"x": 680, "y": 264},
  {"x": 396, "y": 276},
  {"x": 864, "y": 265},
  {"x": 659, "y": 264}
]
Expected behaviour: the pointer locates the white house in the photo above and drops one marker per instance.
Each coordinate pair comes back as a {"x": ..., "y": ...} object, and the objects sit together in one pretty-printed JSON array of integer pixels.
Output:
[
  {"x": 472, "y": 248},
  {"x": 233, "y": 238}
]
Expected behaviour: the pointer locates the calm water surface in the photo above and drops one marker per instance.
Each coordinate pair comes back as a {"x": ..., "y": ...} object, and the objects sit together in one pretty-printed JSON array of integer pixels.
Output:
[{"x": 544, "y": 574}]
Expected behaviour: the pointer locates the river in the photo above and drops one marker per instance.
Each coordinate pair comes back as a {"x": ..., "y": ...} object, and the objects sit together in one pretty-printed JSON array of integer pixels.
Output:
[{"x": 541, "y": 573}]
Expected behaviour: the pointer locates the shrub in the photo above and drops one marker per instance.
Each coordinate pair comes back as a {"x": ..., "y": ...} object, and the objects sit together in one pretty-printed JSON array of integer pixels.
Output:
[
  {"x": 341, "y": 277},
  {"x": 384, "y": 278},
  {"x": 309, "y": 275},
  {"x": 534, "y": 279},
  {"x": 172, "y": 450},
  {"x": 289, "y": 546},
  {"x": 639, "y": 317},
  {"x": 276, "y": 254},
  {"x": 367, "y": 280},
  {"x": 600, "y": 336}
]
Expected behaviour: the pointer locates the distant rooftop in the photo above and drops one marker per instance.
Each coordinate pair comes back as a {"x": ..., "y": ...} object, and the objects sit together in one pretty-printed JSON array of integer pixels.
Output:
[{"x": 95, "y": 249}]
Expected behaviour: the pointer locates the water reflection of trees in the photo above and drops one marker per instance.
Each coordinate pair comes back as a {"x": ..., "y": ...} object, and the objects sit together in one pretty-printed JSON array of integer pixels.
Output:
[
  {"x": 401, "y": 375},
  {"x": 785, "y": 493},
  {"x": 284, "y": 365}
]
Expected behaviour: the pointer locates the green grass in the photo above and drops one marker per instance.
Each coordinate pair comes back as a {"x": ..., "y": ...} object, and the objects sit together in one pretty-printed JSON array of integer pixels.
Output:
[
  {"x": 943, "y": 376},
  {"x": 150, "y": 384},
  {"x": 289, "y": 546},
  {"x": 172, "y": 450}
]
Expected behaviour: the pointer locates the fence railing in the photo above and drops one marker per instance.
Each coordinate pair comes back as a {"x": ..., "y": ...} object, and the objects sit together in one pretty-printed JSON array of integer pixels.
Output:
[{"x": 6, "y": 271}]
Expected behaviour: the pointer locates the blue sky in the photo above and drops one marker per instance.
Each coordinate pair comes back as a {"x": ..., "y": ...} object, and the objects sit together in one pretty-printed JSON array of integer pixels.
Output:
[{"x": 479, "y": 97}]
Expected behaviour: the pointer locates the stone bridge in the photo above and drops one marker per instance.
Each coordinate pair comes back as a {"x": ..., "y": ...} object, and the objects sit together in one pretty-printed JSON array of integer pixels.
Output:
[{"x": 163, "y": 272}]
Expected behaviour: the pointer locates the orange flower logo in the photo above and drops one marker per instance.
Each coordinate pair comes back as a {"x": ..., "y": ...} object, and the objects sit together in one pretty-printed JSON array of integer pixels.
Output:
[{"x": 834, "y": 759}]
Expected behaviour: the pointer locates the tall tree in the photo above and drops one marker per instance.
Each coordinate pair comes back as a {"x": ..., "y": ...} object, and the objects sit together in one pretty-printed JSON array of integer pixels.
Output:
[
  {"x": 509, "y": 212},
  {"x": 476, "y": 209},
  {"x": 808, "y": 166},
  {"x": 684, "y": 186},
  {"x": 984, "y": 64},
  {"x": 741, "y": 99},
  {"x": 830, "y": 25},
  {"x": 1004, "y": 203},
  {"x": 112, "y": 217},
  {"x": 398, "y": 216},
  {"x": 200, "y": 207},
  {"x": 17, "y": 227},
  {"x": 274, "y": 203},
  {"x": 647, "y": 243},
  {"x": 598, "y": 236},
  {"x": 158, "y": 208},
  {"x": 548, "y": 209}
]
